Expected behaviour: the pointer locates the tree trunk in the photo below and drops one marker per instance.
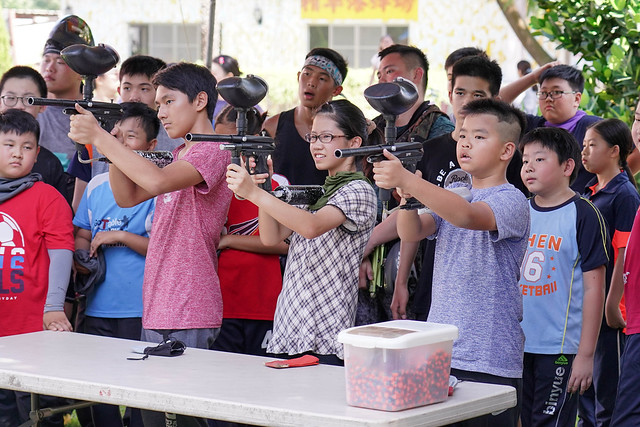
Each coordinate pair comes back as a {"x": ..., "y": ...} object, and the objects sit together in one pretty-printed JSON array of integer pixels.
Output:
[{"x": 523, "y": 32}]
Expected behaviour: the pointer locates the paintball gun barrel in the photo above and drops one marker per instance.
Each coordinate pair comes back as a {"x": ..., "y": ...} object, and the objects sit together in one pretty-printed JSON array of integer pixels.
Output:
[
  {"x": 409, "y": 153},
  {"x": 107, "y": 113},
  {"x": 258, "y": 147}
]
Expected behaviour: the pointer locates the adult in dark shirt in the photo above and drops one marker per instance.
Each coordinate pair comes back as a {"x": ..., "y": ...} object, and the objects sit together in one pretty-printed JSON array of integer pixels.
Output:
[{"x": 423, "y": 122}]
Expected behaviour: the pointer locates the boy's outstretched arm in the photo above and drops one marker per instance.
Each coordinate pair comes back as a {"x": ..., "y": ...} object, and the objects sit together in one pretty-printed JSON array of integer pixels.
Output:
[
  {"x": 278, "y": 218},
  {"x": 134, "y": 179},
  {"x": 251, "y": 244},
  {"x": 509, "y": 92},
  {"x": 413, "y": 227},
  {"x": 450, "y": 206},
  {"x": 593, "y": 300}
]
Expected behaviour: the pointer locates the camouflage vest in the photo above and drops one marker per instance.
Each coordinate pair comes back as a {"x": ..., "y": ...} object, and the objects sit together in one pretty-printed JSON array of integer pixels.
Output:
[{"x": 420, "y": 123}]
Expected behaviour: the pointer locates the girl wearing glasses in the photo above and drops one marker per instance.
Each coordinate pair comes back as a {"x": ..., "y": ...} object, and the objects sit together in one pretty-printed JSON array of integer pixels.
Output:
[{"x": 327, "y": 240}]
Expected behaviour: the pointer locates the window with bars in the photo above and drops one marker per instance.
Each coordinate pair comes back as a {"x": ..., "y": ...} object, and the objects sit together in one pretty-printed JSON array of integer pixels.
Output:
[{"x": 170, "y": 42}]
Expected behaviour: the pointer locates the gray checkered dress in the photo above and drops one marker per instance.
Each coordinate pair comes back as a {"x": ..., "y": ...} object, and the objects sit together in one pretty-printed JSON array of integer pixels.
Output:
[{"x": 320, "y": 285}]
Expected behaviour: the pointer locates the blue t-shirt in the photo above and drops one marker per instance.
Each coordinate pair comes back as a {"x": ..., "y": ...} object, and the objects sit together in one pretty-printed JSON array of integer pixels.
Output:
[
  {"x": 475, "y": 285},
  {"x": 120, "y": 295},
  {"x": 565, "y": 241}
]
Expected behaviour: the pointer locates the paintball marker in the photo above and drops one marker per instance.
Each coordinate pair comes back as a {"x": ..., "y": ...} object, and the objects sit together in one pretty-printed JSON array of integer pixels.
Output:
[
  {"x": 242, "y": 93},
  {"x": 299, "y": 194},
  {"x": 390, "y": 99},
  {"x": 89, "y": 62}
]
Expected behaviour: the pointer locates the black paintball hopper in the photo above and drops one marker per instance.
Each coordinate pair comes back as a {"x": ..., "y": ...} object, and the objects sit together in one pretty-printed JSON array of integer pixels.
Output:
[
  {"x": 90, "y": 60},
  {"x": 243, "y": 92},
  {"x": 392, "y": 99}
]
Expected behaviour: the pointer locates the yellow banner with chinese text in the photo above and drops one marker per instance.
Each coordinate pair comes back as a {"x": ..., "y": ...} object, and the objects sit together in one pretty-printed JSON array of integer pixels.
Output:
[{"x": 360, "y": 9}]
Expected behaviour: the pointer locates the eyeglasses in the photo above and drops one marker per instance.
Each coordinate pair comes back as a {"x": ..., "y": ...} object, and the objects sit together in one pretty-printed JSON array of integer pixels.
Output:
[
  {"x": 12, "y": 101},
  {"x": 325, "y": 138},
  {"x": 554, "y": 94}
]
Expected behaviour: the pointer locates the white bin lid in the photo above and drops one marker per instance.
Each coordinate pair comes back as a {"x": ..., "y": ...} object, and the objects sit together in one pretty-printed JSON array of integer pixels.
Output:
[{"x": 398, "y": 334}]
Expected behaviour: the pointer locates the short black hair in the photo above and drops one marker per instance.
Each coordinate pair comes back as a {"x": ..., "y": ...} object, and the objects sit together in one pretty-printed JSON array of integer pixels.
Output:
[
  {"x": 347, "y": 117},
  {"x": 412, "y": 57},
  {"x": 255, "y": 119},
  {"x": 572, "y": 75},
  {"x": 334, "y": 57},
  {"x": 141, "y": 65},
  {"x": 147, "y": 117},
  {"x": 481, "y": 67},
  {"x": 463, "y": 52},
  {"x": 557, "y": 140},
  {"x": 19, "y": 122},
  {"x": 505, "y": 113},
  {"x": 22, "y": 72},
  {"x": 190, "y": 79}
]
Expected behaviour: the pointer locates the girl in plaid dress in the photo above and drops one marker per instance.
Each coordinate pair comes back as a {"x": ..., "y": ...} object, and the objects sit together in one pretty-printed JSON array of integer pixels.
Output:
[{"x": 327, "y": 240}]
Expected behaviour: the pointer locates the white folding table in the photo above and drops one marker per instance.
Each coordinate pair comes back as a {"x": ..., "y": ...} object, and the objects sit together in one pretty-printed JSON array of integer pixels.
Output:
[{"x": 213, "y": 384}]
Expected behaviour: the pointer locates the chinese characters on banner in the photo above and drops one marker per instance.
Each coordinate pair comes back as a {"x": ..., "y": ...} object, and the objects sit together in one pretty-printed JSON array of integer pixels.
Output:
[{"x": 360, "y": 9}]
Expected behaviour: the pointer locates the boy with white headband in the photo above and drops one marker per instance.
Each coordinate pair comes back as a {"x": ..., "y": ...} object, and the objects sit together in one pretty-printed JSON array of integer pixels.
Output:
[{"x": 319, "y": 81}]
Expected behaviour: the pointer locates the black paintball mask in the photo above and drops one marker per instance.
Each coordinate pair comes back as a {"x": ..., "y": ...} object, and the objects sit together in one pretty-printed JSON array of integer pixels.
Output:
[{"x": 68, "y": 31}]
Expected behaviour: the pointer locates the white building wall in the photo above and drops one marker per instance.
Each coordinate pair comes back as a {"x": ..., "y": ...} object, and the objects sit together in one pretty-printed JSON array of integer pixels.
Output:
[
  {"x": 275, "y": 48},
  {"x": 110, "y": 19}
]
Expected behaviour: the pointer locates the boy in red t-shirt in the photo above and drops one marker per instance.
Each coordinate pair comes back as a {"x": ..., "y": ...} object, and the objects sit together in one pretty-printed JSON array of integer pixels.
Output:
[
  {"x": 36, "y": 243},
  {"x": 250, "y": 274}
]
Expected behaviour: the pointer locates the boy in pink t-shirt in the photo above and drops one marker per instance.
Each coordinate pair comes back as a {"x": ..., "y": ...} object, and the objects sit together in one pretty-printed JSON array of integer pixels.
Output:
[{"x": 181, "y": 289}]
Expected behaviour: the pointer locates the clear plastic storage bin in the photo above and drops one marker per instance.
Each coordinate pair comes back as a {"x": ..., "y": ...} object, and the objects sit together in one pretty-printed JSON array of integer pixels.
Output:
[{"x": 397, "y": 365}]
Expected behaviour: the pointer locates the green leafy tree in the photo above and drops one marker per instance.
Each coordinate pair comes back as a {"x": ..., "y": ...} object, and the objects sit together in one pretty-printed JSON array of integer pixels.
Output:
[
  {"x": 522, "y": 30},
  {"x": 605, "y": 35}
]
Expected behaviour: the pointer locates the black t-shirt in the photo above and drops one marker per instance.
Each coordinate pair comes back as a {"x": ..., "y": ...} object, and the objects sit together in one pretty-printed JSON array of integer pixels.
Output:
[
  {"x": 50, "y": 168},
  {"x": 439, "y": 159}
]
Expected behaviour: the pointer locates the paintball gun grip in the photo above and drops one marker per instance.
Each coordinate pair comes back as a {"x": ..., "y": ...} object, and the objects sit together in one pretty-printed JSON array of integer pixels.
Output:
[
  {"x": 262, "y": 167},
  {"x": 384, "y": 194}
]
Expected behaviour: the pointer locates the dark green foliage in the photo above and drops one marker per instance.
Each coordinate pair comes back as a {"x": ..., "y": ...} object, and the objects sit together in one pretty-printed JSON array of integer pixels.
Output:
[{"x": 605, "y": 34}]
